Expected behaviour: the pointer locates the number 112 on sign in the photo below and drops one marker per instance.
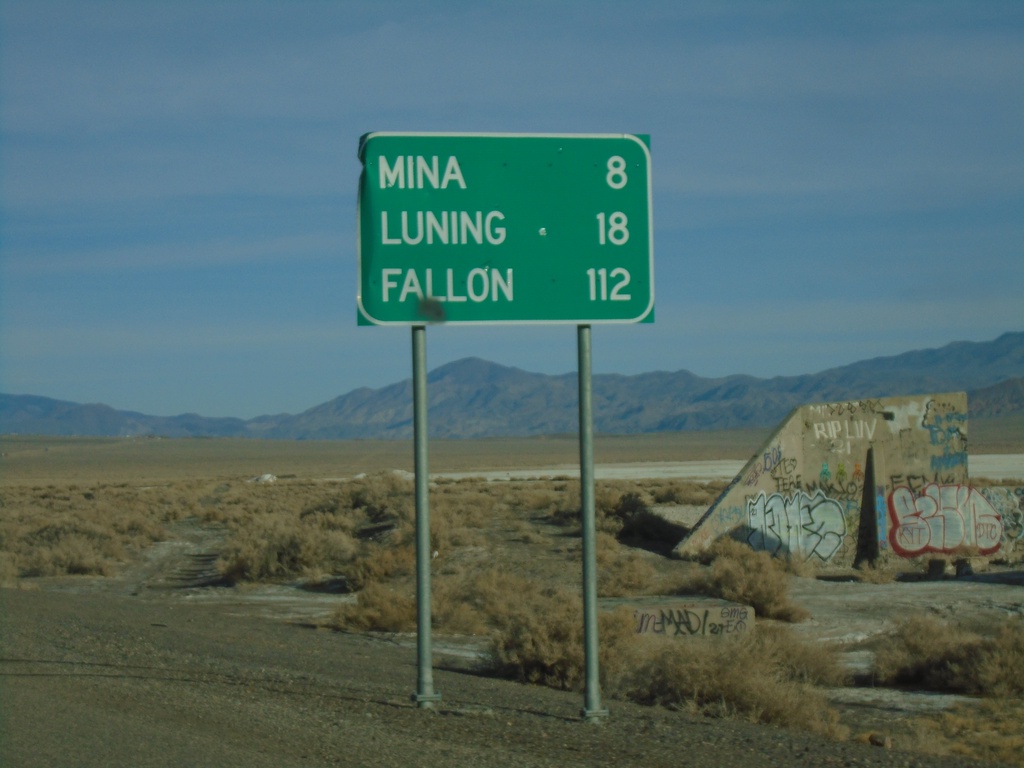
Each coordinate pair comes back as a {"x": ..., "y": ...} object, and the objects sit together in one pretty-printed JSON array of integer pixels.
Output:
[{"x": 601, "y": 280}]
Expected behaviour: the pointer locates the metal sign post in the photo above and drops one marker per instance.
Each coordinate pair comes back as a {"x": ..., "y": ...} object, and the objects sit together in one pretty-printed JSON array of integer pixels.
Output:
[
  {"x": 425, "y": 695},
  {"x": 592, "y": 694}
]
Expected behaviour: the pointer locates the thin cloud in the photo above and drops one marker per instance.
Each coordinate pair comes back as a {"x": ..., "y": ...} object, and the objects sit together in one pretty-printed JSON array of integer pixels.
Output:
[{"x": 215, "y": 253}]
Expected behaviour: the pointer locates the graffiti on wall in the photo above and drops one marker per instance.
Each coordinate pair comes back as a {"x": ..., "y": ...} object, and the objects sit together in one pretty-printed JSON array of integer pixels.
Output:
[
  {"x": 917, "y": 483},
  {"x": 857, "y": 429},
  {"x": 946, "y": 426},
  {"x": 944, "y": 519},
  {"x": 687, "y": 621},
  {"x": 880, "y": 518},
  {"x": 786, "y": 478},
  {"x": 845, "y": 426},
  {"x": 845, "y": 436},
  {"x": 766, "y": 463},
  {"x": 846, "y": 408},
  {"x": 842, "y": 480},
  {"x": 1009, "y": 505},
  {"x": 800, "y": 525}
]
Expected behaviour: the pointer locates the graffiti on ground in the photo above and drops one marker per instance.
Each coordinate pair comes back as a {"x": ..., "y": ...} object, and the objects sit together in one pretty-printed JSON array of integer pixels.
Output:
[
  {"x": 802, "y": 526},
  {"x": 944, "y": 519},
  {"x": 687, "y": 621}
]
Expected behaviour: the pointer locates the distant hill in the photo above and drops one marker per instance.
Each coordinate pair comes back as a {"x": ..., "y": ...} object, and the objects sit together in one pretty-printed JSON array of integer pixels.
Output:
[
  {"x": 478, "y": 398},
  {"x": 32, "y": 415}
]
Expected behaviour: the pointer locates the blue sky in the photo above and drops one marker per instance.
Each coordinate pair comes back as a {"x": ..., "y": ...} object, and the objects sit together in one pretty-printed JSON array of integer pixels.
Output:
[{"x": 831, "y": 182}]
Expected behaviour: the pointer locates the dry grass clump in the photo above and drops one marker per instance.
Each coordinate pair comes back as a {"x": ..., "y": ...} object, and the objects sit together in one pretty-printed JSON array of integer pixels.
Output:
[
  {"x": 377, "y": 608},
  {"x": 685, "y": 492},
  {"x": 68, "y": 530},
  {"x": 622, "y": 571},
  {"x": 458, "y": 510},
  {"x": 361, "y": 530},
  {"x": 618, "y": 506},
  {"x": 614, "y": 500},
  {"x": 926, "y": 652},
  {"x": 385, "y": 500},
  {"x": 375, "y": 562},
  {"x": 274, "y": 548},
  {"x": 73, "y": 548},
  {"x": 742, "y": 575},
  {"x": 766, "y": 676},
  {"x": 538, "y": 636},
  {"x": 464, "y": 602},
  {"x": 988, "y": 730},
  {"x": 545, "y": 499}
]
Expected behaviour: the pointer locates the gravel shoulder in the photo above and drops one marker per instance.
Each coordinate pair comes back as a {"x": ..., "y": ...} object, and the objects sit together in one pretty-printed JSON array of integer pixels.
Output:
[{"x": 102, "y": 679}]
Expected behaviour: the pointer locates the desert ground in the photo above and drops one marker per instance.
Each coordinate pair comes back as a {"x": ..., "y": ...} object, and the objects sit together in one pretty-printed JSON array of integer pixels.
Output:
[{"x": 147, "y": 654}]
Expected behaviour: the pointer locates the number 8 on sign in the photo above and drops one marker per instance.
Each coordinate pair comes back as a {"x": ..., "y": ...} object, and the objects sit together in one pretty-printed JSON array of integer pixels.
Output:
[{"x": 616, "y": 176}]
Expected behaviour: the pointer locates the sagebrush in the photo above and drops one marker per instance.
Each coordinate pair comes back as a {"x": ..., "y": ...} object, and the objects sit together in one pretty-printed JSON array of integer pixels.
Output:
[
  {"x": 927, "y": 652},
  {"x": 740, "y": 574}
]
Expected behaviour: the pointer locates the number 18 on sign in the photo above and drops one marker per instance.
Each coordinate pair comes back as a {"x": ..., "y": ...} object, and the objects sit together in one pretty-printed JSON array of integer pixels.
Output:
[{"x": 505, "y": 228}]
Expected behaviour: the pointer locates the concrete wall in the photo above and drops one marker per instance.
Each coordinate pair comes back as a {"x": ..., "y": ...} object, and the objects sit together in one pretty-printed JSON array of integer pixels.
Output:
[{"x": 863, "y": 480}]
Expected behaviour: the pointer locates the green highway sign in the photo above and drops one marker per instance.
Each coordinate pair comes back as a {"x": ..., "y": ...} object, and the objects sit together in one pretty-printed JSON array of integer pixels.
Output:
[{"x": 505, "y": 228}]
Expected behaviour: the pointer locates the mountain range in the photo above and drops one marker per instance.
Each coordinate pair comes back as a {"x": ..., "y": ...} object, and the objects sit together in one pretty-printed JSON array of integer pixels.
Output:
[{"x": 477, "y": 398}]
